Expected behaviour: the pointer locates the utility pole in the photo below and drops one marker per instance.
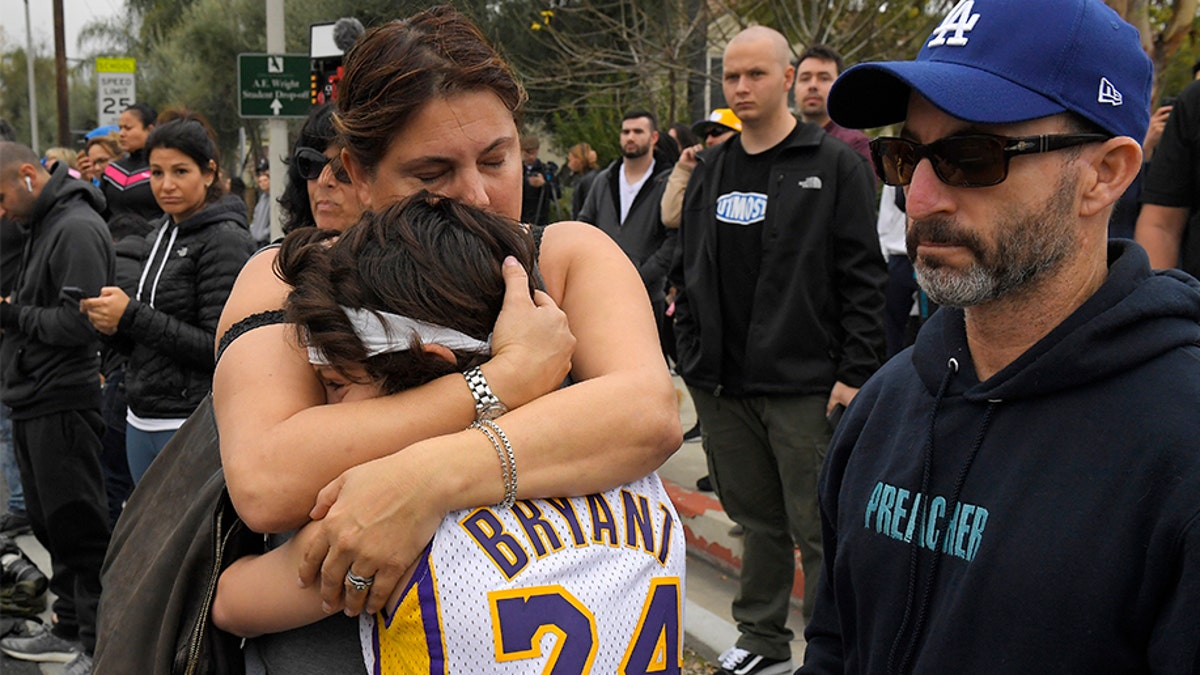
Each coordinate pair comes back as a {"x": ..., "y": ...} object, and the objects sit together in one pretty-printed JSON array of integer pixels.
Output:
[
  {"x": 33, "y": 115},
  {"x": 60, "y": 69},
  {"x": 277, "y": 138}
]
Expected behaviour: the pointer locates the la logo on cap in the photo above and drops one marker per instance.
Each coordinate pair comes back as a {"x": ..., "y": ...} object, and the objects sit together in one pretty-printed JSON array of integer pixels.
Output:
[{"x": 959, "y": 21}]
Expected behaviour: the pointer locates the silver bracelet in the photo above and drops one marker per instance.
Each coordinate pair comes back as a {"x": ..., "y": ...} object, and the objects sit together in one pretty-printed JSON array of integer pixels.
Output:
[
  {"x": 510, "y": 478},
  {"x": 504, "y": 452}
]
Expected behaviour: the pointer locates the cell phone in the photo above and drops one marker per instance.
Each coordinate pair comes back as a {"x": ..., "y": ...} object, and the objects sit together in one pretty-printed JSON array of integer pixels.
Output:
[
  {"x": 1169, "y": 100},
  {"x": 73, "y": 294},
  {"x": 835, "y": 416}
]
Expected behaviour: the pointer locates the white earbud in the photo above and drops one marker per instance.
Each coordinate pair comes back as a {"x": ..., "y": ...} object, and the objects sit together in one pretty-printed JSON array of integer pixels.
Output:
[{"x": 28, "y": 184}]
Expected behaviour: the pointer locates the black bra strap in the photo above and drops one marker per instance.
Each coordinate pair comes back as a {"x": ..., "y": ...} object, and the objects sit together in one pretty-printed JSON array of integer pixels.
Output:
[{"x": 258, "y": 320}]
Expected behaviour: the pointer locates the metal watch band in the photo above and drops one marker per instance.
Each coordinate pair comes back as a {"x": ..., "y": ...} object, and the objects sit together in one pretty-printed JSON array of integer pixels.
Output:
[{"x": 487, "y": 405}]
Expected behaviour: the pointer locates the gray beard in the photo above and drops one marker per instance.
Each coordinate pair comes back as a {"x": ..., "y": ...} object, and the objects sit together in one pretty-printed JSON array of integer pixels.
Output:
[
  {"x": 950, "y": 288},
  {"x": 1029, "y": 245}
]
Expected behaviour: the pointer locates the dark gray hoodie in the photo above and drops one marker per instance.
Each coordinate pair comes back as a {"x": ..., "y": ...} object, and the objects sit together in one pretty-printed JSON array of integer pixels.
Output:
[{"x": 49, "y": 360}]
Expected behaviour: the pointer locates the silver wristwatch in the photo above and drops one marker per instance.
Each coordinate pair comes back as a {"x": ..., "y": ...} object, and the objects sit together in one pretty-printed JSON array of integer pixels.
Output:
[{"x": 487, "y": 406}]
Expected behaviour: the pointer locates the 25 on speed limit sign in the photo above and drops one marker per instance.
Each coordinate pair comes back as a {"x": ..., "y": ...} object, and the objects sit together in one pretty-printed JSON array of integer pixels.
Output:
[{"x": 116, "y": 88}]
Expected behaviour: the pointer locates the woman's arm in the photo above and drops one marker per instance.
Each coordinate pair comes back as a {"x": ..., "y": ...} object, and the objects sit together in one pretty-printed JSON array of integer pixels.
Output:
[
  {"x": 672, "y": 198},
  {"x": 280, "y": 443},
  {"x": 618, "y": 422}
]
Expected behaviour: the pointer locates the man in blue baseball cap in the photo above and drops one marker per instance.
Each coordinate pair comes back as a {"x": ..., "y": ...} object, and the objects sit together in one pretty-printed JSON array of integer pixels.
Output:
[{"x": 1018, "y": 492}]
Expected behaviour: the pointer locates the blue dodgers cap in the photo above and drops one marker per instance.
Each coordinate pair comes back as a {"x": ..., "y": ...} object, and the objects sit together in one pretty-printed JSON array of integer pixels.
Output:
[{"x": 1004, "y": 61}]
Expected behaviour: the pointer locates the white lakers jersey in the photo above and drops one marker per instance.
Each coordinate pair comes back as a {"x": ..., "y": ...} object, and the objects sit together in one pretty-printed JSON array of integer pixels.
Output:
[{"x": 574, "y": 585}]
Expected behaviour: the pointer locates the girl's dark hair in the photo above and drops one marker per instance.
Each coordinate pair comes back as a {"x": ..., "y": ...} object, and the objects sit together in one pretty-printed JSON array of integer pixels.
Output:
[
  {"x": 317, "y": 133},
  {"x": 428, "y": 258},
  {"x": 144, "y": 112},
  {"x": 396, "y": 68},
  {"x": 189, "y": 133}
]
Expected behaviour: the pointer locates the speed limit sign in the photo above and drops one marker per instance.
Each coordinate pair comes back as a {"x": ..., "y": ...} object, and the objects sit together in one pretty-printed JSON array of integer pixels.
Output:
[{"x": 115, "y": 88}]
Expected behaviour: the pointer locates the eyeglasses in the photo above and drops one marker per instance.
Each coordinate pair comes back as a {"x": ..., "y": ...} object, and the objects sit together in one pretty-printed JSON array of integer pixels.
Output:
[
  {"x": 974, "y": 160},
  {"x": 310, "y": 163},
  {"x": 717, "y": 131}
]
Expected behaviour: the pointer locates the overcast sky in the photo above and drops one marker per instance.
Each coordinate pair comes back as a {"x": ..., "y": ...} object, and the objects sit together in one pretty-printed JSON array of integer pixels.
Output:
[{"x": 76, "y": 14}]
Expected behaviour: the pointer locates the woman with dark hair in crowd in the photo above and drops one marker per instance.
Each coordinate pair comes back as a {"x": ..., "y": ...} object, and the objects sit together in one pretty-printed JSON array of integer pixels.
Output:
[
  {"x": 126, "y": 181},
  {"x": 683, "y": 135},
  {"x": 666, "y": 152},
  {"x": 314, "y": 194},
  {"x": 427, "y": 104},
  {"x": 168, "y": 326}
]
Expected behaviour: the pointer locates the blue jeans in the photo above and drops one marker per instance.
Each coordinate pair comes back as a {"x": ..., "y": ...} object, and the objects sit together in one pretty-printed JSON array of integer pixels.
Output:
[
  {"x": 8, "y": 464},
  {"x": 141, "y": 447}
]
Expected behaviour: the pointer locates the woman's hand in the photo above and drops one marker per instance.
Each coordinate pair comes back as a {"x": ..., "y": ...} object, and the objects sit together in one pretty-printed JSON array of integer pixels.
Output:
[
  {"x": 532, "y": 344},
  {"x": 373, "y": 520},
  {"x": 106, "y": 309}
]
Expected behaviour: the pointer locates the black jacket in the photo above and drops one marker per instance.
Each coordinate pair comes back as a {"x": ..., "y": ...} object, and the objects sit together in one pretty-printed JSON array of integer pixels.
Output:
[
  {"x": 642, "y": 237},
  {"x": 12, "y": 243},
  {"x": 49, "y": 356},
  {"x": 169, "y": 326},
  {"x": 818, "y": 305},
  {"x": 583, "y": 184},
  {"x": 1046, "y": 520},
  {"x": 126, "y": 186}
]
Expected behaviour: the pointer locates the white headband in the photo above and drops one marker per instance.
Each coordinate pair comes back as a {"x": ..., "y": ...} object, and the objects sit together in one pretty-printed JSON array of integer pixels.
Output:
[{"x": 383, "y": 333}]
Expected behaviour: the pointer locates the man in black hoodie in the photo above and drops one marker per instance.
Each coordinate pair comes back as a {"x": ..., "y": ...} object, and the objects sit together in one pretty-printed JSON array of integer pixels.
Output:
[
  {"x": 1020, "y": 491},
  {"x": 49, "y": 355}
]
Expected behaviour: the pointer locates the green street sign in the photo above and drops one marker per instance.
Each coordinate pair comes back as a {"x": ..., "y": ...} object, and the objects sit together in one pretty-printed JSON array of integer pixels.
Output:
[{"x": 274, "y": 85}]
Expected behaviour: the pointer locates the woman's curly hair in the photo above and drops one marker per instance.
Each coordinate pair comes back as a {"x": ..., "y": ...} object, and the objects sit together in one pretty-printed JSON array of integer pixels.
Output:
[{"x": 428, "y": 258}]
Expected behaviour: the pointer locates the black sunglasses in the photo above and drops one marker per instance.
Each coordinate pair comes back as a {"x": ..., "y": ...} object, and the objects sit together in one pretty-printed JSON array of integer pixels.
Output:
[
  {"x": 717, "y": 131},
  {"x": 310, "y": 163},
  {"x": 974, "y": 160}
]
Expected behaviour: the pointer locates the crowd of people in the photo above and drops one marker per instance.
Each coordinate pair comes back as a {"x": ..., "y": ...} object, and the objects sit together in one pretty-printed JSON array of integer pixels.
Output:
[{"x": 442, "y": 397}]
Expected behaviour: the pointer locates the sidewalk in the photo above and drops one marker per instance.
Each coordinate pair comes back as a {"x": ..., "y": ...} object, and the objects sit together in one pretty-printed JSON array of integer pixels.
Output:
[{"x": 714, "y": 560}]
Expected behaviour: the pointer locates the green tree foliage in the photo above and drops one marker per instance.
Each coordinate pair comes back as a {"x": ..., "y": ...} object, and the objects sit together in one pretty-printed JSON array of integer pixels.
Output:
[
  {"x": 598, "y": 58},
  {"x": 14, "y": 104},
  {"x": 194, "y": 65}
]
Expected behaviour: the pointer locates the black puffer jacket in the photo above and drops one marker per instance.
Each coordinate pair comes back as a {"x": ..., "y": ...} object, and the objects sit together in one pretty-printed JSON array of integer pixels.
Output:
[{"x": 169, "y": 326}]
